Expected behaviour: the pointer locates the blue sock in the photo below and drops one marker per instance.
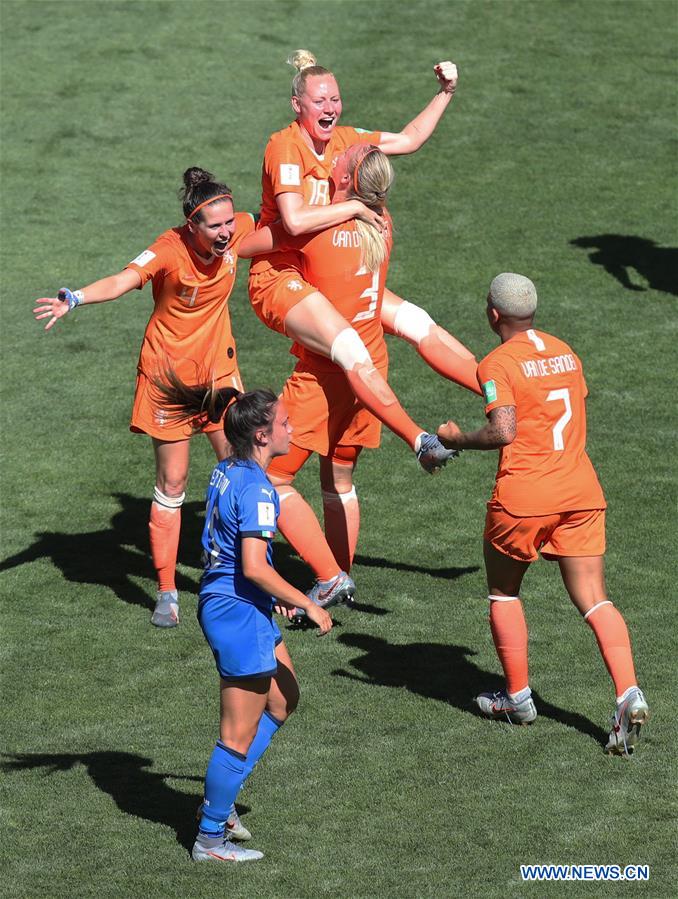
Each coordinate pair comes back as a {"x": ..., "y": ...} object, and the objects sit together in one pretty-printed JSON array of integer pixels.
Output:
[
  {"x": 222, "y": 782},
  {"x": 268, "y": 727}
]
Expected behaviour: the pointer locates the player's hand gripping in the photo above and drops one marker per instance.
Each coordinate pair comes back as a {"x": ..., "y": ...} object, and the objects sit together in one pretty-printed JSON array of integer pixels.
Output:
[
  {"x": 448, "y": 434},
  {"x": 372, "y": 218},
  {"x": 55, "y": 308},
  {"x": 447, "y": 75}
]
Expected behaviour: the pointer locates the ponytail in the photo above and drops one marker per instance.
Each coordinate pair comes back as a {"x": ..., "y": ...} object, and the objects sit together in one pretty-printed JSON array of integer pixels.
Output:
[
  {"x": 200, "y": 404},
  {"x": 200, "y": 189},
  {"x": 371, "y": 180}
]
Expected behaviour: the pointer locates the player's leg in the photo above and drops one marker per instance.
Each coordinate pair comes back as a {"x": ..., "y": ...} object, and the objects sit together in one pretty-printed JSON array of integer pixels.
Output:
[
  {"x": 242, "y": 706},
  {"x": 584, "y": 579},
  {"x": 341, "y": 509},
  {"x": 317, "y": 325},
  {"x": 297, "y": 521},
  {"x": 282, "y": 700},
  {"x": 171, "y": 466},
  {"x": 242, "y": 639},
  {"x": 509, "y": 633},
  {"x": 438, "y": 348}
]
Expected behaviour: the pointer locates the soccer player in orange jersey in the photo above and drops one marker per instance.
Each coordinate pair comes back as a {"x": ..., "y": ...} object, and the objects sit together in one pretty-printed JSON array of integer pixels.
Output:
[
  {"x": 298, "y": 162},
  {"x": 546, "y": 499},
  {"x": 192, "y": 270},
  {"x": 348, "y": 263}
]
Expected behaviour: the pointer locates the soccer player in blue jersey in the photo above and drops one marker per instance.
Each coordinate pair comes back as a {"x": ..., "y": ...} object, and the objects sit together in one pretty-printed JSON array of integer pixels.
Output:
[{"x": 238, "y": 591}]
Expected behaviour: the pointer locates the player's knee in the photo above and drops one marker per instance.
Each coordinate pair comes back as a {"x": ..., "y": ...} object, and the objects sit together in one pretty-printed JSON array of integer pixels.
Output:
[
  {"x": 348, "y": 350},
  {"x": 412, "y": 322}
]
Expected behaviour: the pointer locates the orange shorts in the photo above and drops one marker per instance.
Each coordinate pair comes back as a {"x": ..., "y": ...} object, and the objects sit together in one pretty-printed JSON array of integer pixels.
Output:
[
  {"x": 286, "y": 467},
  {"x": 580, "y": 533},
  {"x": 274, "y": 292},
  {"x": 149, "y": 416},
  {"x": 324, "y": 412}
]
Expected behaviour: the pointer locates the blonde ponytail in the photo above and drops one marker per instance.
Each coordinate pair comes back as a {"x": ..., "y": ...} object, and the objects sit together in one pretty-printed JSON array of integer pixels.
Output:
[{"x": 371, "y": 181}]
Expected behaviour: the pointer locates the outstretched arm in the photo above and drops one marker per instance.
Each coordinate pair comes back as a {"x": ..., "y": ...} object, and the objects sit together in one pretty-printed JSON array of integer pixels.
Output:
[
  {"x": 109, "y": 288},
  {"x": 418, "y": 131},
  {"x": 499, "y": 431}
]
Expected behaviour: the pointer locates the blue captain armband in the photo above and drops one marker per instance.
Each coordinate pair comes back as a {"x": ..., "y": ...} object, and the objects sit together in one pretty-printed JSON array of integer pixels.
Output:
[{"x": 72, "y": 297}]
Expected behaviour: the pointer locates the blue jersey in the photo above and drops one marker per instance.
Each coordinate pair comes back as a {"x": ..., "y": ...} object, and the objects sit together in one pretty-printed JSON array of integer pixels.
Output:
[{"x": 241, "y": 502}]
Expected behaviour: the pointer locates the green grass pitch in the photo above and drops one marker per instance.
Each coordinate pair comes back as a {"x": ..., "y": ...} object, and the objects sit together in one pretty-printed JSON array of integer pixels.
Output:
[{"x": 556, "y": 159}]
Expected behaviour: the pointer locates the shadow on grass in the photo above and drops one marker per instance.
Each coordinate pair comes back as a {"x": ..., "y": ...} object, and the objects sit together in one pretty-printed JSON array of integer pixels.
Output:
[
  {"x": 617, "y": 253},
  {"x": 112, "y": 557},
  {"x": 449, "y": 574},
  {"x": 136, "y": 791},
  {"x": 441, "y": 672}
]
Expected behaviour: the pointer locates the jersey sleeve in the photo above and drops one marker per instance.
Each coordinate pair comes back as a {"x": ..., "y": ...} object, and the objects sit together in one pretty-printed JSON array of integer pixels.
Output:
[
  {"x": 244, "y": 225},
  {"x": 284, "y": 167},
  {"x": 157, "y": 259},
  {"x": 257, "y": 511},
  {"x": 495, "y": 384},
  {"x": 367, "y": 137}
]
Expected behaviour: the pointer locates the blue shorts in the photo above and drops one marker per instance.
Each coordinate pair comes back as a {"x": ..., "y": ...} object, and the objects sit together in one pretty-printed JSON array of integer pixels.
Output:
[{"x": 242, "y": 636}]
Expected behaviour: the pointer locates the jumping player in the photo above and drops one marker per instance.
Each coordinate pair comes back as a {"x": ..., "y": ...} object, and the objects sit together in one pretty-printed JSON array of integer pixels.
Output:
[
  {"x": 547, "y": 499},
  {"x": 348, "y": 263},
  {"x": 192, "y": 270},
  {"x": 297, "y": 165},
  {"x": 238, "y": 589}
]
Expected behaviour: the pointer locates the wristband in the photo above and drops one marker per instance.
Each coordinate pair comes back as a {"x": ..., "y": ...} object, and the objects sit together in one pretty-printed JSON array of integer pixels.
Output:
[{"x": 72, "y": 297}]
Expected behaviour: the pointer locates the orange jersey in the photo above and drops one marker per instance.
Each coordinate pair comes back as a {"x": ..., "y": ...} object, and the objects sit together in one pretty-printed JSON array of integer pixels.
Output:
[
  {"x": 291, "y": 166},
  {"x": 330, "y": 260},
  {"x": 190, "y": 325},
  {"x": 546, "y": 468}
]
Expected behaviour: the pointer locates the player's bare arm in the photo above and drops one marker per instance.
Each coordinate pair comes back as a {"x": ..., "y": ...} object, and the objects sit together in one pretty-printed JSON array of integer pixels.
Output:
[
  {"x": 499, "y": 431},
  {"x": 417, "y": 132},
  {"x": 110, "y": 288},
  {"x": 298, "y": 218}
]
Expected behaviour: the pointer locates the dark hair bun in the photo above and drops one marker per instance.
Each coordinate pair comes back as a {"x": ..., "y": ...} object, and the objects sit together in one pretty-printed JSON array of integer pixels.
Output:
[{"x": 195, "y": 176}]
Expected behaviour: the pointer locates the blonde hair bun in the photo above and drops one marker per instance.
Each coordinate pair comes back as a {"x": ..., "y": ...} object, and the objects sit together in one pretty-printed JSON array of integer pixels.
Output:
[{"x": 301, "y": 59}]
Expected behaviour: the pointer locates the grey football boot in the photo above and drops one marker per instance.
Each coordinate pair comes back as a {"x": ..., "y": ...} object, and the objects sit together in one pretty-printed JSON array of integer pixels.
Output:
[{"x": 166, "y": 612}]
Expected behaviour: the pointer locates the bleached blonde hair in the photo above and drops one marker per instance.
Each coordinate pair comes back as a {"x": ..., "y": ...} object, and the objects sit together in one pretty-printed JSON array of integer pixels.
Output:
[
  {"x": 371, "y": 185},
  {"x": 513, "y": 295},
  {"x": 306, "y": 65}
]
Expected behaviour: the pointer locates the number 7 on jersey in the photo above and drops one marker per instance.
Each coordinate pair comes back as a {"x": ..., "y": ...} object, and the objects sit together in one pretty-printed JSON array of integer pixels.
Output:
[{"x": 562, "y": 394}]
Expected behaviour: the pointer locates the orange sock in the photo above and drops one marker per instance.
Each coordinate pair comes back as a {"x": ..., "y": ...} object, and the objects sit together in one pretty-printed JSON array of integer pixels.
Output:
[
  {"x": 439, "y": 351},
  {"x": 300, "y": 527},
  {"x": 509, "y": 632},
  {"x": 164, "y": 527},
  {"x": 612, "y": 635},
  {"x": 375, "y": 394},
  {"x": 342, "y": 524}
]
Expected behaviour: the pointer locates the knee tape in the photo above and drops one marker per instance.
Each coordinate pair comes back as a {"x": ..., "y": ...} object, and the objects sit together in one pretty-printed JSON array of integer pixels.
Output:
[
  {"x": 412, "y": 322},
  {"x": 168, "y": 502},
  {"x": 348, "y": 350}
]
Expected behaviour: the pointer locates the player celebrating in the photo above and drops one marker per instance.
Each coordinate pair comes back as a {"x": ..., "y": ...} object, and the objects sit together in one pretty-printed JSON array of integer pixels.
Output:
[
  {"x": 192, "y": 269},
  {"x": 297, "y": 165},
  {"x": 238, "y": 589},
  {"x": 547, "y": 499},
  {"x": 348, "y": 263}
]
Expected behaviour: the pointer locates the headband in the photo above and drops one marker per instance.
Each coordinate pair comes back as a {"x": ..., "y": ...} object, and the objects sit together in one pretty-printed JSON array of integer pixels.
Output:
[{"x": 207, "y": 202}]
